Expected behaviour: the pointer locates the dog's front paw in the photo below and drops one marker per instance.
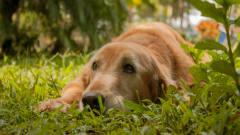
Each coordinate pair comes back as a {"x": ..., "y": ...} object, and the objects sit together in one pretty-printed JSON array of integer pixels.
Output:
[{"x": 53, "y": 104}]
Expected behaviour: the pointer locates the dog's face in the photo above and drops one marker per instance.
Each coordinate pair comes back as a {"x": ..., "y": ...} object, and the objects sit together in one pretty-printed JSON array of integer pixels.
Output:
[{"x": 122, "y": 71}]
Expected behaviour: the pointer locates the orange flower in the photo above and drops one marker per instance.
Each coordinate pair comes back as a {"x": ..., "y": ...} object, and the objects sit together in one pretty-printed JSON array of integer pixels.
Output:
[{"x": 208, "y": 29}]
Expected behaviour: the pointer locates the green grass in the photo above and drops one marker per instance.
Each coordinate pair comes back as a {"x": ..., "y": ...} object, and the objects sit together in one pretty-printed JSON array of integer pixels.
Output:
[{"x": 25, "y": 81}]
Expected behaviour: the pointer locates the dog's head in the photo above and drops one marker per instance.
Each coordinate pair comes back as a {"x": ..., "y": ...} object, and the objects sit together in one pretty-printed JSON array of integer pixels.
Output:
[{"x": 124, "y": 71}]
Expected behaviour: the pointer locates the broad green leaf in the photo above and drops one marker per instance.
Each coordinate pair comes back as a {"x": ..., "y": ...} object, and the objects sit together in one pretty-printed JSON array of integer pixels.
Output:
[
  {"x": 236, "y": 53},
  {"x": 199, "y": 74},
  {"x": 224, "y": 67},
  {"x": 210, "y": 45},
  {"x": 209, "y": 10}
]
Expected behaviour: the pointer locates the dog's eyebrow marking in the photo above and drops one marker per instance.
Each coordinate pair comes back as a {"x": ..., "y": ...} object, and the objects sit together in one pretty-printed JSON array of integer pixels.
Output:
[{"x": 130, "y": 59}]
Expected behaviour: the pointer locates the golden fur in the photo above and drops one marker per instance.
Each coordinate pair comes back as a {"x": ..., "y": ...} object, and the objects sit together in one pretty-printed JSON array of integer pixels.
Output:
[{"x": 154, "y": 50}]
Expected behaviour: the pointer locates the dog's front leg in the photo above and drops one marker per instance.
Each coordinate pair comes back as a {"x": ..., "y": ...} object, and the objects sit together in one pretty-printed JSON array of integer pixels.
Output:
[{"x": 72, "y": 92}]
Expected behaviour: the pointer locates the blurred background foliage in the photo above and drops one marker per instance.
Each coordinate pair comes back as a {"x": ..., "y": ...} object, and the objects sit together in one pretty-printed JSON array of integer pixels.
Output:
[{"x": 56, "y": 25}]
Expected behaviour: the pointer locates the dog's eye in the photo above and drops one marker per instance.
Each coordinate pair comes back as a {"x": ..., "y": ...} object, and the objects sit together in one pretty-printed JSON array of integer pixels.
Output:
[
  {"x": 94, "y": 66},
  {"x": 128, "y": 68}
]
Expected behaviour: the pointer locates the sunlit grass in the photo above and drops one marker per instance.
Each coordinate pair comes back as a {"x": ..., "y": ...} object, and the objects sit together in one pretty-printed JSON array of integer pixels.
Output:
[{"x": 25, "y": 81}]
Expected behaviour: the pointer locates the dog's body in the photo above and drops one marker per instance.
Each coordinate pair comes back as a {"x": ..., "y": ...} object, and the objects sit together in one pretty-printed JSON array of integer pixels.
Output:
[{"x": 142, "y": 60}]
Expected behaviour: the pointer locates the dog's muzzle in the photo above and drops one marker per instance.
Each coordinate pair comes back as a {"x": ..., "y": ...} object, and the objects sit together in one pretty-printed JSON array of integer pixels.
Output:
[{"x": 92, "y": 99}]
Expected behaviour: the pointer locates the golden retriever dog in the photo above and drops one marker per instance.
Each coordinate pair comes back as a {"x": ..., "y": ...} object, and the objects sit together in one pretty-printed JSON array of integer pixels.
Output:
[{"x": 140, "y": 63}]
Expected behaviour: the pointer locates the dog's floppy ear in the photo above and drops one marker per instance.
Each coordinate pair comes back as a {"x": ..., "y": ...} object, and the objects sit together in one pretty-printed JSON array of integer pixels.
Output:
[{"x": 161, "y": 78}]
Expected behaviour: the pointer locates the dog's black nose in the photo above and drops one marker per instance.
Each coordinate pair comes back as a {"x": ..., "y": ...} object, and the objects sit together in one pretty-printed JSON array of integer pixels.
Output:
[{"x": 91, "y": 99}]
